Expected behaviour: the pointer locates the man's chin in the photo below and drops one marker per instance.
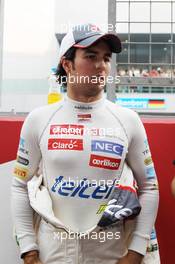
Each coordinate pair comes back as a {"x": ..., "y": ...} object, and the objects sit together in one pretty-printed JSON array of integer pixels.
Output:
[{"x": 94, "y": 89}]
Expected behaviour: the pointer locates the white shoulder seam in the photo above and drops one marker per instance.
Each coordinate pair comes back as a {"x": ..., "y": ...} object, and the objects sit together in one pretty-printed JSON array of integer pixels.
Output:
[
  {"x": 119, "y": 122},
  {"x": 52, "y": 115}
]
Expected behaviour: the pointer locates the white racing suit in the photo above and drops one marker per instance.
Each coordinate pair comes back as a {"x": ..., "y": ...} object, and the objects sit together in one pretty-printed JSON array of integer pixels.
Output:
[{"x": 83, "y": 149}]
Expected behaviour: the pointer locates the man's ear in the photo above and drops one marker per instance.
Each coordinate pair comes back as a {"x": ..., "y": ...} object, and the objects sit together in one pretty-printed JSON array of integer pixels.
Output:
[{"x": 66, "y": 64}]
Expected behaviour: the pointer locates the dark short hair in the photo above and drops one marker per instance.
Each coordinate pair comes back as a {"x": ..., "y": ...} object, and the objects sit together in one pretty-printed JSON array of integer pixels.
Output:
[{"x": 60, "y": 72}]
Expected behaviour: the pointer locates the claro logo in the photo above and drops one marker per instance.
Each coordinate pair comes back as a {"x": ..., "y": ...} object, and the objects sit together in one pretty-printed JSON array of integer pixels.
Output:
[
  {"x": 104, "y": 162},
  {"x": 65, "y": 144}
]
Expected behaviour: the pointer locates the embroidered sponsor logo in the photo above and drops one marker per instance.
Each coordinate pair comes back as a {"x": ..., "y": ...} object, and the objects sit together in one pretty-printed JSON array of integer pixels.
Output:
[
  {"x": 65, "y": 144},
  {"x": 84, "y": 117},
  {"x": 22, "y": 146},
  {"x": 106, "y": 146},
  {"x": 150, "y": 172},
  {"x": 67, "y": 129},
  {"x": 104, "y": 162},
  {"x": 22, "y": 160},
  {"x": 101, "y": 208},
  {"x": 148, "y": 161},
  {"x": 153, "y": 235},
  {"x": 24, "y": 151},
  {"x": 84, "y": 189},
  {"x": 82, "y": 107},
  {"x": 146, "y": 143},
  {"x": 153, "y": 245},
  {"x": 22, "y": 142},
  {"x": 20, "y": 172},
  {"x": 146, "y": 151}
]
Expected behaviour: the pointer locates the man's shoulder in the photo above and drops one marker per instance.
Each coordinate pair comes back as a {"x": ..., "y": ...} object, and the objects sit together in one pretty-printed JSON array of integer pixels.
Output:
[{"x": 43, "y": 112}]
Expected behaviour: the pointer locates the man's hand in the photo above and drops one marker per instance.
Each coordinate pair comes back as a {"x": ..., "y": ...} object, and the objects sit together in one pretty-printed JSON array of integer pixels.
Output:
[
  {"x": 32, "y": 257},
  {"x": 131, "y": 258}
]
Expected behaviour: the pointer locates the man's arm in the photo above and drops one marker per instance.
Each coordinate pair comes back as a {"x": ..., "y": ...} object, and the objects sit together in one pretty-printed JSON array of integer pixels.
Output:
[
  {"x": 140, "y": 161},
  {"x": 132, "y": 257},
  {"x": 28, "y": 158}
]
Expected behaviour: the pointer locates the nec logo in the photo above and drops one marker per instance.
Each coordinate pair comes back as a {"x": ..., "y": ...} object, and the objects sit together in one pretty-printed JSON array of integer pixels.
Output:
[
  {"x": 84, "y": 189},
  {"x": 106, "y": 146}
]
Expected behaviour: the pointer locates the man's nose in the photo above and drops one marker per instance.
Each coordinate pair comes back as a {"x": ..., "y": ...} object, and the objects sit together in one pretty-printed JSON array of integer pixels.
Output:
[{"x": 100, "y": 64}]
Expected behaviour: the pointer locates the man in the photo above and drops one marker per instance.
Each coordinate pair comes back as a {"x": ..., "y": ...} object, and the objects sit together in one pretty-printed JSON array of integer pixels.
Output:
[{"x": 81, "y": 142}]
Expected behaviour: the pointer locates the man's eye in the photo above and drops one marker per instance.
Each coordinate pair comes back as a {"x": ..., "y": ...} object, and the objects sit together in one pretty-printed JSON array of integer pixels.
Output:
[
  {"x": 91, "y": 56},
  {"x": 107, "y": 59}
]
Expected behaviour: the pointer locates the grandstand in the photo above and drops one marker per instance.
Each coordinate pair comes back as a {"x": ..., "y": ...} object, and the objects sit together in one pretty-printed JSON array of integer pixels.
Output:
[{"x": 146, "y": 67}]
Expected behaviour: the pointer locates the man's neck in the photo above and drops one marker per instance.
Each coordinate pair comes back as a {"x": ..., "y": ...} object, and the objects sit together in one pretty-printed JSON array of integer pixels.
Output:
[{"x": 84, "y": 98}]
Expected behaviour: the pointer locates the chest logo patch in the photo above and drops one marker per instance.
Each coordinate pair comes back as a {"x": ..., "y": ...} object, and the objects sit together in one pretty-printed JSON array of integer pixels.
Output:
[{"x": 65, "y": 144}]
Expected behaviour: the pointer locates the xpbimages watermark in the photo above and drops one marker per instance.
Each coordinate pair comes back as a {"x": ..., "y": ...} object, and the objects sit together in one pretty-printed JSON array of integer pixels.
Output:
[
  {"x": 101, "y": 236},
  {"x": 106, "y": 27},
  {"x": 85, "y": 79}
]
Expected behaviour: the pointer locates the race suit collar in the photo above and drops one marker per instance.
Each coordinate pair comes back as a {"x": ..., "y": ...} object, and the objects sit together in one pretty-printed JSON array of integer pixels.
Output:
[{"x": 81, "y": 106}]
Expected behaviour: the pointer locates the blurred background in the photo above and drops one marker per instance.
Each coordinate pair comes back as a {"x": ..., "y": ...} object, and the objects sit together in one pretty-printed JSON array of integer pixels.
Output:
[{"x": 29, "y": 45}]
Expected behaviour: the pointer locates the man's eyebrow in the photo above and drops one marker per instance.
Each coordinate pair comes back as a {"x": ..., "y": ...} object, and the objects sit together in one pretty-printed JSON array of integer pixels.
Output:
[{"x": 89, "y": 50}]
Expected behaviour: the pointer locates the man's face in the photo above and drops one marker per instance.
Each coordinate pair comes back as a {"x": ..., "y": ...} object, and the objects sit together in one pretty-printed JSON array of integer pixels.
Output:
[{"x": 91, "y": 66}]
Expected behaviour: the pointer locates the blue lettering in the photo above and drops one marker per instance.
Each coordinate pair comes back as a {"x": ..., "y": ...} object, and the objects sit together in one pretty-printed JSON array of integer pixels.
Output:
[
  {"x": 100, "y": 189},
  {"x": 81, "y": 193},
  {"x": 109, "y": 192},
  {"x": 83, "y": 190},
  {"x": 57, "y": 181},
  {"x": 78, "y": 187},
  {"x": 105, "y": 146},
  {"x": 66, "y": 187}
]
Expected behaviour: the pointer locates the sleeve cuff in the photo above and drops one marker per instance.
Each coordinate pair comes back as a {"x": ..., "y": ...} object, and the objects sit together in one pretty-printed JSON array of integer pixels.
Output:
[
  {"x": 27, "y": 244},
  {"x": 139, "y": 244}
]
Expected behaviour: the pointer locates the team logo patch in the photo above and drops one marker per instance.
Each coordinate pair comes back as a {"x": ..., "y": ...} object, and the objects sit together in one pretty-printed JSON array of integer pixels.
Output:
[
  {"x": 148, "y": 161},
  {"x": 101, "y": 208},
  {"x": 22, "y": 160},
  {"x": 83, "y": 107},
  {"x": 150, "y": 173},
  {"x": 65, "y": 144},
  {"x": 22, "y": 146},
  {"x": 67, "y": 129},
  {"x": 20, "y": 172},
  {"x": 22, "y": 142},
  {"x": 104, "y": 162},
  {"x": 84, "y": 117},
  {"x": 145, "y": 152},
  {"x": 106, "y": 146}
]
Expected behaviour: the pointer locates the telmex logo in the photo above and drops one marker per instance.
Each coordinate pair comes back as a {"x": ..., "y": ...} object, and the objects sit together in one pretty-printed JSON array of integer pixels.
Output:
[
  {"x": 83, "y": 190},
  {"x": 104, "y": 162},
  {"x": 105, "y": 146},
  {"x": 66, "y": 129},
  {"x": 65, "y": 144},
  {"x": 20, "y": 172}
]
